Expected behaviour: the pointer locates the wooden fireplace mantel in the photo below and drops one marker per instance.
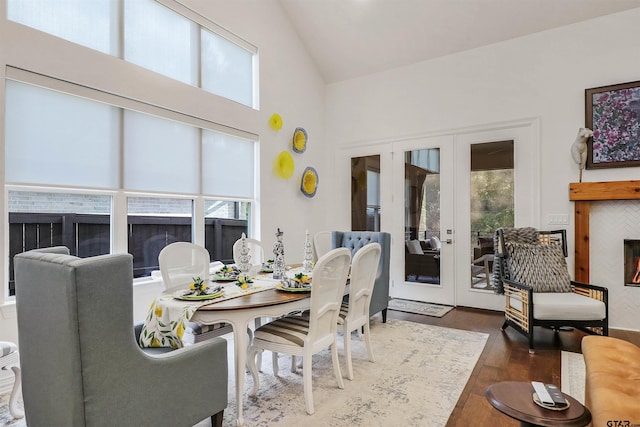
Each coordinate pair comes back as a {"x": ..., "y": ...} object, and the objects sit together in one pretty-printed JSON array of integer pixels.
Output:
[{"x": 583, "y": 193}]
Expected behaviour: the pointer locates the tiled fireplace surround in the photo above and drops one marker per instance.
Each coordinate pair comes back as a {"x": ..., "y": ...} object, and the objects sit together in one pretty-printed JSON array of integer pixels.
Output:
[{"x": 607, "y": 213}]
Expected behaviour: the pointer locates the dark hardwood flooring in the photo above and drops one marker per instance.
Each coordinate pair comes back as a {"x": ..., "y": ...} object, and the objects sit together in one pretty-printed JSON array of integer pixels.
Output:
[{"x": 505, "y": 358}]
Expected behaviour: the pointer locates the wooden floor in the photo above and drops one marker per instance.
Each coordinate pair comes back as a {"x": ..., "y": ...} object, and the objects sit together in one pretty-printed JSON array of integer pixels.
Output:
[{"x": 505, "y": 358}]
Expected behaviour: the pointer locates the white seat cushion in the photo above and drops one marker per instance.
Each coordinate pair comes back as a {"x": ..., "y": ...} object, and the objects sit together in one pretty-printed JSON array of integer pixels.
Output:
[{"x": 566, "y": 306}]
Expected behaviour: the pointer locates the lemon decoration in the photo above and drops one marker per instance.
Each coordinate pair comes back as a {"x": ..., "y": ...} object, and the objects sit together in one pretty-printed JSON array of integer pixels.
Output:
[
  {"x": 243, "y": 282},
  {"x": 198, "y": 286},
  {"x": 309, "y": 184},
  {"x": 275, "y": 121},
  {"x": 300, "y": 140},
  {"x": 284, "y": 165},
  {"x": 158, "y": 311},
  {"x": 180, "y": 330}
]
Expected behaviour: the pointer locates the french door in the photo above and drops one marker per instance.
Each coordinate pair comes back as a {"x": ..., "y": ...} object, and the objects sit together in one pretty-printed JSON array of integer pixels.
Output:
[
  {"x": 423, "y": 227},
  {"x": 429, "y": 192}
]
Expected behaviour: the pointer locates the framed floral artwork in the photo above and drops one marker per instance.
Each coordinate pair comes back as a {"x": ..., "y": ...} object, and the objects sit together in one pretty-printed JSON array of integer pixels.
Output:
[{"x": 613, "y": 114}]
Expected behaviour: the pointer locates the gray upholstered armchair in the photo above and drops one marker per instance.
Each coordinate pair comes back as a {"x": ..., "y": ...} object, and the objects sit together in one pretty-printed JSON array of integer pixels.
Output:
[
  {"x": 354, "y": 240},
  {"x": 81, "y": 364}
]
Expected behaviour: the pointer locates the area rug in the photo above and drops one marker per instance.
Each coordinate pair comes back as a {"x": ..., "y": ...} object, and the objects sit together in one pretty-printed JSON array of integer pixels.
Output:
[
  {"x": 416, "y": 380},
  {"x": 5, "y": 417},
  {"x": 417, "y": 307},
  {"x": 572, "y": 375}
]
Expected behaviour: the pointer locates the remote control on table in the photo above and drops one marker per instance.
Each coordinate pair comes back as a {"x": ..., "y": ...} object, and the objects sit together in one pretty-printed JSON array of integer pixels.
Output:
[
  {"x": 556, "y": 395},
  {"x": 542, "y": 393}
]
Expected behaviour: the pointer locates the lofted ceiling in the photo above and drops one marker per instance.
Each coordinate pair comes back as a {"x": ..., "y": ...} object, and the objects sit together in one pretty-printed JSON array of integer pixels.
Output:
[{"x": 352, "y": 38}]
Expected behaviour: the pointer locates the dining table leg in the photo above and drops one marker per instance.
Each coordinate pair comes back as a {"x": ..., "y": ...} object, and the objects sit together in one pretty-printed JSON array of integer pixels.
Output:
[{"x": 241, "y": 345}]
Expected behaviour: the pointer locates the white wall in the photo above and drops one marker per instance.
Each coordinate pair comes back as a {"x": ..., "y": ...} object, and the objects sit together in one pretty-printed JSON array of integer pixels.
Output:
[
  {"x": 289, "y": 85},
  {"x": 539, "y": 76}
]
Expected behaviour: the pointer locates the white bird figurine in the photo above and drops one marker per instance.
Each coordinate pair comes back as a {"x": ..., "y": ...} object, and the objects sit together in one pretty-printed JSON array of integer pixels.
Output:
[{"x": 579, "y": 148}]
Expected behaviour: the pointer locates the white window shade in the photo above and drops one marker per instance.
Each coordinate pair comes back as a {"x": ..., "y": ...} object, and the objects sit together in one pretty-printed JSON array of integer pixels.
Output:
[
  {"x": 88, "y": 23},
  {"x": 227, "y": 69},
  {"x": 160, "y": 154},
  {"x": 160, "y": 40},
  {"x": 58, "y": 139},
  {"x": 228, "y": 165}
]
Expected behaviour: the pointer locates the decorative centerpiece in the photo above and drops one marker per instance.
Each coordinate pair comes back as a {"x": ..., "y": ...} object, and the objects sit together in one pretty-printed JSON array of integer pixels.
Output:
[
  {"x": 244, "y": 260},
  {"x": 278, "y": 251},
  {"x": 244, "y": 281},
  {"x": 307, "y": 264},
  {"x": 227, "y": 271},
  {"x": 301, "y": 280},
  {"x": 198, "y": 287}
]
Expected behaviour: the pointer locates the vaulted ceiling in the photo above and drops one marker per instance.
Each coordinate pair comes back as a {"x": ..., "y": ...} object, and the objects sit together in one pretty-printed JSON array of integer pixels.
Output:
[{"x": 352, "y": 38}]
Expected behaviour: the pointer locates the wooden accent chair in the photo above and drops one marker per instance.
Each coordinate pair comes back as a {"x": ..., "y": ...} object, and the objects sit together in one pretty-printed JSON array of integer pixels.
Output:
[{"x": 531, "y": 271}]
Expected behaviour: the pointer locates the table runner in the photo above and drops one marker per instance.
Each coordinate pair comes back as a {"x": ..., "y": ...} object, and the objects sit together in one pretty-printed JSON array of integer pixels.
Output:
[{"x": 167, "y": 318}]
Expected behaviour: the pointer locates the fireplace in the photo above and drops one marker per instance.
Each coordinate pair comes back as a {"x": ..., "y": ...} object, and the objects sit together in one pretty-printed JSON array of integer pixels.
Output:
[
  {"x": 631, "y": 262},
  {"x": 583, "y": 193}
]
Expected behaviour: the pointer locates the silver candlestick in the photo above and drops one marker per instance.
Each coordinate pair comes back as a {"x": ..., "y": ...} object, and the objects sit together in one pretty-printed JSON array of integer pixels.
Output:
[
  {"x": 278, "y": 252},
  {"x": 307, "y": 264},
  {"x": 244, "y": 264}
]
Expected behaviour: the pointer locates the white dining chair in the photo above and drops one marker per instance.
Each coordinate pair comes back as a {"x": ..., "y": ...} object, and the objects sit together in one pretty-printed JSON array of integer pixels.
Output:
[
  {"x": 354, "y": 313},
  {"x": 256, "y": 251},
  {"x": 321, "y": 243},
  {"x": 308, "y": 335},
  {"x": 180, "y": 262}
]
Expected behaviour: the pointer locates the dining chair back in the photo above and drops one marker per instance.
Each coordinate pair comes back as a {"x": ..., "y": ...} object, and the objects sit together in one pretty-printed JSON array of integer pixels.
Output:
[
  {"x": 256, "y": 251},
  {"x": 354, "y": 313},
  {"x": 321, "y": 243},
  {"x": 308, "y": 335},
  {"x": 180, "y": 262}
]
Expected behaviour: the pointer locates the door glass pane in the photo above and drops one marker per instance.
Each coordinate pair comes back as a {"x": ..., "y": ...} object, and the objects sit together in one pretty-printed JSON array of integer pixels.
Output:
[
  {"x": 365, "y": 193},
  {"x": 422, "y": 216},
  {"x": 492, "y": 204},
  {"x": 154, "y": 223}
]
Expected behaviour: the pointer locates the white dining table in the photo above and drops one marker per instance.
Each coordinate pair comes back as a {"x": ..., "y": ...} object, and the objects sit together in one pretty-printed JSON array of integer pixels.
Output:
[{"x": 240, "y": 312}]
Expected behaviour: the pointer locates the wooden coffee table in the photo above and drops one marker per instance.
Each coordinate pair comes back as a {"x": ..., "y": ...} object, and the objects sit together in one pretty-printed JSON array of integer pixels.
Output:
[{"x": 515, "y": 399}]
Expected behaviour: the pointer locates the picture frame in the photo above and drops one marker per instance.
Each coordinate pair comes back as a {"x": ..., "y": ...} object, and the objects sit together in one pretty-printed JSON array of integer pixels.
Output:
[{"x": 613, "y": 114}]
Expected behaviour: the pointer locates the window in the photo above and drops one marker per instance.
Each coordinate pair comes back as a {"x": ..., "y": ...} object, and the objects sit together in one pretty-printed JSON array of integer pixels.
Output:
[
  {"x": 160, "y": 40},
  {"x": 39, "y": 219},
  {"x": 56, "y": 139},
  {"x": 152, "y": 224},
  {"x": 89, "y": 23},
  {"x": 185, "y": 47},
  {"x": 160, "y": 154},
  {"x": 225, "y": 221}
]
